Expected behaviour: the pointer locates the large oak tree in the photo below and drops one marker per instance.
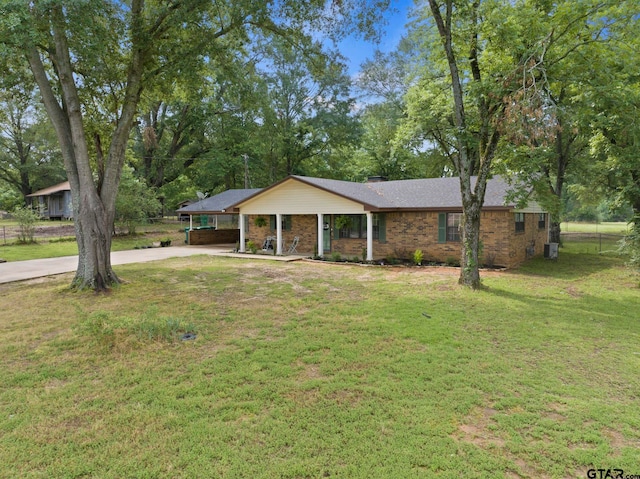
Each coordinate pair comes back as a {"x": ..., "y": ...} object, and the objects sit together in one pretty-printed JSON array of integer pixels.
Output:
[{"x": 91, "y": 60}]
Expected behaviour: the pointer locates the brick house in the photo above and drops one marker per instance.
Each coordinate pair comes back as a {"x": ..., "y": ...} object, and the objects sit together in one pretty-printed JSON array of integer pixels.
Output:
[{"x": 388, "y": 218}]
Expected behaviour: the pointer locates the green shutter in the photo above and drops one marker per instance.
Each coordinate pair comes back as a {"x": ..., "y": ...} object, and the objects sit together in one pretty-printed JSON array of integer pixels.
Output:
[
  {"x": 272, "y": 222},
  {"x": 442, "y": 227},
  {"x": 336, "y": 230},
  {"x": 287, "y": 222},
  {"x": 382, "y": 228}
]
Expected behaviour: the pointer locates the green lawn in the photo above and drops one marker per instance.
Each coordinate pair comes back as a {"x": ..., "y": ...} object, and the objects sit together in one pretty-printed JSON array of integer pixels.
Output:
[
  {"x": 55, "y": 247},
  {"x": 304, "y": 370},
  {"x": 605, "y": 228}
]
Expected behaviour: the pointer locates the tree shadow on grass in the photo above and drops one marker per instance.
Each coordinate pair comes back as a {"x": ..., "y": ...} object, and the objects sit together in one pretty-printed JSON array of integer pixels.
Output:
[{"x": 570, "y": 265}]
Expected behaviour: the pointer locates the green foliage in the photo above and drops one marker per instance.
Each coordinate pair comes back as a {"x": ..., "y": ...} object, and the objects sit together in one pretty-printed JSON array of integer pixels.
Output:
[
  {"x": 27, "y": 219},
  {"x": 336, "y": 256},
  {"x": 342, "y": 221},
  {"x": 260, "y": 221},
  {"x": 418, "y": 257},
  {"x": 136, "y": 202},
  {"x": 252, "y": 247},
  {"x": 630, "y": 245},
  {"x": 452, "y": 261}
]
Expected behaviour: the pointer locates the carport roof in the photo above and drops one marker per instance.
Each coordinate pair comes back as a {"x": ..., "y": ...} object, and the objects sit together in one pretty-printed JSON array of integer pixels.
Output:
[{"x": 221, "y": 203}]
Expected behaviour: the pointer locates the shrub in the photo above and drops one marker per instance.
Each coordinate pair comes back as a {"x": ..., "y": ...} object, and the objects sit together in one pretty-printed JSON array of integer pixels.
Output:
[
  {"x": 418, "y": 257},
  {"x": 335, "y": 256},
  {"x": 630, "y": 244},
  {"x": 252, "y": 247},
  {"x": 27, "y": 219},
  {"x": 452, "y": 261}
]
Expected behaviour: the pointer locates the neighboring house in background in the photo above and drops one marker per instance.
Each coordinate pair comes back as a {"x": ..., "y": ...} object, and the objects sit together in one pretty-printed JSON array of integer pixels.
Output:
[
  {"x": 390, "y": 219},
  {"x": 182, "y": 204},
  {"x": 53, "y": 202}
]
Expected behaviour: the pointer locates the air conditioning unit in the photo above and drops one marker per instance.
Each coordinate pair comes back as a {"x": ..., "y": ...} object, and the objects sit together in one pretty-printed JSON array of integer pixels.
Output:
[{"x": 551, "y": 250}]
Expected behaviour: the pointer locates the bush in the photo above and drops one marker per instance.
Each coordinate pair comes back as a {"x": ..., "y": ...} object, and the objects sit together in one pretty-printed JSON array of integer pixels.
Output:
[
  {"x": 252, "y": 247},
  {"x": 27, "y": 219},
  {"x": 335, "y": 256},
  {"x": 135, "y": 203},
  {"x": 630, "y": 244},
  {"x": 452, "y": 261},
  {"x": 418, "y": 257}
]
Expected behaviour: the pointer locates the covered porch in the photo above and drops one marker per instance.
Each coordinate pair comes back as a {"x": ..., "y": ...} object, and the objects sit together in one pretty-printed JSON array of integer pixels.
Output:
[{"x": 316, "y": 234}]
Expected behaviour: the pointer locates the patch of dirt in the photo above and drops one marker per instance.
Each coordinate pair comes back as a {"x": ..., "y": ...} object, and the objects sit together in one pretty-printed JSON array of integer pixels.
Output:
[
  {"x": 476, "y": 430},
  {"x": 573, "y": 292},
  {"x": 45, "y": 231},
  {"x": 618, "y": 441}
]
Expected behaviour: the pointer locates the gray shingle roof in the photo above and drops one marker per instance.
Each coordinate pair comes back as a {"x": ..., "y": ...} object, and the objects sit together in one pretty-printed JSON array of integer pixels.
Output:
[
  {"x": 412, "y": 194},
  {"x": 220, "y": 203}
]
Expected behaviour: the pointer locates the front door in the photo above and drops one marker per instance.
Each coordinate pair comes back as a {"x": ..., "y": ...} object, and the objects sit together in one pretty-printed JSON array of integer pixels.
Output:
[{"x": 326, "y": 233}]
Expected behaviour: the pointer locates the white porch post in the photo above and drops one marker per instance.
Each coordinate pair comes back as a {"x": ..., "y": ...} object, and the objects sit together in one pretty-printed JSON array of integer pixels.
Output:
[
  {"x": 190, "y": 222},
  {"x": 241, "y": 226},
  {"x": 320, "y": 235},
  {"x": 369, "y": 236},
  {"x": 279, "y": 233}
]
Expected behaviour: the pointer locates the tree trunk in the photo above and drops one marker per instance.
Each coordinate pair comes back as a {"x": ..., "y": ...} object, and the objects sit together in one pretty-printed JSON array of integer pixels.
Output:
[
  {"x": 93, "y": 233},
  {"x": 554, "y": 229},
  {"x": 470, "y": 261}
]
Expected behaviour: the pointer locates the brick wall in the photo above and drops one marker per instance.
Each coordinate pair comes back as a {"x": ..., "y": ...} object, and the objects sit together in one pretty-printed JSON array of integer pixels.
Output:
[
  {"x": 303, "y": 226},
  {"x": 408, "y": 231}
]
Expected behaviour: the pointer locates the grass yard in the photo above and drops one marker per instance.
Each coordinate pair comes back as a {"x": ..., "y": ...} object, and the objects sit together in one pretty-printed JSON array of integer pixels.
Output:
[
  {"x": 304, "y": 370},
  {"x": 56, "y": 247},
  {"x": 617, "y": 228}
]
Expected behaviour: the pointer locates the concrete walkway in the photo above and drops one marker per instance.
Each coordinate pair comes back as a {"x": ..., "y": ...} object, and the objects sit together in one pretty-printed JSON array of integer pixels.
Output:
[{"x": 36, "y": 268}]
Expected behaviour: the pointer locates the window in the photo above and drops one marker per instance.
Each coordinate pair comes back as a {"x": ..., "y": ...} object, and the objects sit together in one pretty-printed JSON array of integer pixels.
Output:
[
  {"x": 352, "y": 226},
  {"x": 542, "y": 223},
  {"x": 285, "y": 220},
  {"x": 449, "y": 227},
  {"x": 453, "y": 226},
  {"x": 356, "y": 227},
  {"x": 519, "y": 222}
]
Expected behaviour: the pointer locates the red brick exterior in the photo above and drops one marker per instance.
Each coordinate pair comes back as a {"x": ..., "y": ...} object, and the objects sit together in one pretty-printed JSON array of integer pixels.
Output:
[{"x": 409, "y": 231}]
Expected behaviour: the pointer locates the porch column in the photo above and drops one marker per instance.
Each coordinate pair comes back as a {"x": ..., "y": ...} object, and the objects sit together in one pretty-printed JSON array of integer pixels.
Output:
[
  {"x": 320, "y": 235},
  {"x": 241, "y": 226},
  {"x": 369, "y": 236},
  {"x": 190, "y": 222},
  {"x": 279, "y": 233}
]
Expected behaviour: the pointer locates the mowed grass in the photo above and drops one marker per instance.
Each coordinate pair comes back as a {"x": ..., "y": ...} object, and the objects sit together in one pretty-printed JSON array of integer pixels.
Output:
[
  {"x": 618, "y": 228},
  {"x": 304, "y": 370},
  {"x": 56, "y": 247}
]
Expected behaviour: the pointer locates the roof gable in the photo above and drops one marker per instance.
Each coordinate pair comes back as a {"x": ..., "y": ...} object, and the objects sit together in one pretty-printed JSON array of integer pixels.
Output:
[{"x": 296, "y": 195}]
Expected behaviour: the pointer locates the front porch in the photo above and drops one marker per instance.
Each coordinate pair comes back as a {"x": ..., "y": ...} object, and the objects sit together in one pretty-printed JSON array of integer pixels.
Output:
[{"x": 318, "y": 234}]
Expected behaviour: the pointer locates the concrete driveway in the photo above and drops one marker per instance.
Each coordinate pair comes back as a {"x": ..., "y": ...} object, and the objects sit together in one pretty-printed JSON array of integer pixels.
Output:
[{"x": 36, "y": 268}]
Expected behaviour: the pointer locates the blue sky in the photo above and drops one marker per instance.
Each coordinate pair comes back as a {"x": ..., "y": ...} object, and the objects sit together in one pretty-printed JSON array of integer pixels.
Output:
[{"x": 358, "y": 50}]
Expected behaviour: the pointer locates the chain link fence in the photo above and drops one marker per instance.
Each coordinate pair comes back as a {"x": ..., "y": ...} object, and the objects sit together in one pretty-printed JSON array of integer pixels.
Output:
[{"x": 593, "y": 243}]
